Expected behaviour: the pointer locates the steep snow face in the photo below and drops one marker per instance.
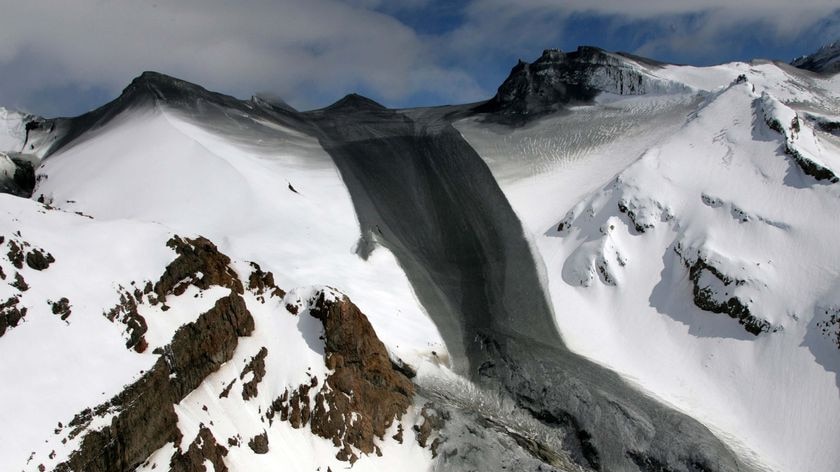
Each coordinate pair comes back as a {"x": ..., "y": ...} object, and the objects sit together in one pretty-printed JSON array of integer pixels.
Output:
[
  {"x": 693, "y": 252},
  {"x": 263, "y": 191},
  {"x": 12, "y": 130}
]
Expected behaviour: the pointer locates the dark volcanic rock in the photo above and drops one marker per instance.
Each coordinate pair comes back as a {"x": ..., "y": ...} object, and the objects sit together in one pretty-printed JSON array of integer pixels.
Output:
[
  {"x": 707, "y": 298},
  {"x": 61, "y": 308},
  {"x": 37, "y": 260},
  {"x": 10, "y": 314},
  {"x": 558, "y": 79},
  {"x": 22, "y": 181},
  {"x": 826, "y": 60}
]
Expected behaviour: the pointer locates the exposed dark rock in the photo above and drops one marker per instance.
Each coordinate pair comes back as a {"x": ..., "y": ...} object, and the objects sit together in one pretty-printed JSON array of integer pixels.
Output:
[
  {"x": 20, "y": 283},
  {"x": 201, "y": 347},
  {"x": 398, "y": 437},
  {"x": 262, "y": 283},
  {"x": 226, "y": 390},
  {"x": 362, "y": 397},
  {"x": 293, "y": 309},
  {"x": 257, "y": 367},
  {"x": 433, "y": 420},
  {"x": 807, "y": 165},
  {"x": 16, "y": 254},
  {"x": 22, "y": 181},
  {"x": 196, "y": 256},
  {"x": 202, "y": 449},
  {"x": 144, "y": 416},
  {"x": 826, "y": 60},
  {"x": 10, "y": 314},
  {"x": 259, "y": 443},
  {"x": 125, "y": 312},
  {"x": 623, "y": 208},
  {"x": 707, "y": 299},
  {"x": 557, "y": 79},
  {"x": 829, "y": 327},
  {"x": 61, "y": 307}
]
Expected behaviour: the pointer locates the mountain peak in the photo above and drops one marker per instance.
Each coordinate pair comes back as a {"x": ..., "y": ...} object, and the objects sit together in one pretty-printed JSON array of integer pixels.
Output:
[
  {"x": 557, "y": 79},
  {"x": 825, "y": 60},
  {"x": 355, "y": 102}
]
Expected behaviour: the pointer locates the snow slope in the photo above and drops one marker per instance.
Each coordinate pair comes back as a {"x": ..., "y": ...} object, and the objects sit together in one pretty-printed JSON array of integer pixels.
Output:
[
  {"x": 239, "y": 196},
  {"x": 622, "y": 209},
  {"x": 81, "y": 360}
]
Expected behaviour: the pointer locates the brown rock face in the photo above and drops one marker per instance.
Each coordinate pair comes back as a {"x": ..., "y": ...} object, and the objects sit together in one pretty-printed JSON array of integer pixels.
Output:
[
  {"x": 144, "y": 417},
  {"x": 204, "y": 447},
  {"x": 37, "y": 260},
  {"x": 196, "y": 256},
  {"x": 126, "y": 313},
  {"x": 257, "y": 367},
  {"x": 363, "y": 396},
  {"x": 10, "y": 314},
  {"x": 259, "y": 443},
  {"x": 262, "y": 283}
]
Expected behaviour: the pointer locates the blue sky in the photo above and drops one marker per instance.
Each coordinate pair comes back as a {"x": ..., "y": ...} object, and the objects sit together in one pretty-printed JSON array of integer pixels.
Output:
[{"x": 64, "y": 58}]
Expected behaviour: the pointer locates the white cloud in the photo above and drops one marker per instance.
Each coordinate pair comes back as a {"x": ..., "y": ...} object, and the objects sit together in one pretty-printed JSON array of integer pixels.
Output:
[{"x": 286, "y": 47}]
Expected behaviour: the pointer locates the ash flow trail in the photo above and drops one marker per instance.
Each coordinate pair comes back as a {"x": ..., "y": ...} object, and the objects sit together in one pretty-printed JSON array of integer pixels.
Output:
[{"x": 422, "y": 191}]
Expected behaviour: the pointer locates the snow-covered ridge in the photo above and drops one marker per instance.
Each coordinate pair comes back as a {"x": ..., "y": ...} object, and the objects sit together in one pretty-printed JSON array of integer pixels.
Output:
[{"x": 557, "y": 79}]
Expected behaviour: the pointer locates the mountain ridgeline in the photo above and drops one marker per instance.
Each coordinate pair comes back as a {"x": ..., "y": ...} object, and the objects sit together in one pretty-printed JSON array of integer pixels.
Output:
[{"x": 508, "y": 392}]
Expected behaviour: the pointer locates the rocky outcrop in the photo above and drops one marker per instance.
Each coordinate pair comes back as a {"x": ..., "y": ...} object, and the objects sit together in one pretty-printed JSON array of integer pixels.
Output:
[
  {"x": 259, "y": 443},
  {"x": 255, "y": 367},
  {"x": 61, "y": 307},
  {"x": 557, "y": 79},
  {"x": 143, "y": 414},
  {"x": 826, "y": 60},
  {"x": 830, "y": 325},
  {"x": 11, "y": 314},
  {"x": 203, "y": 448},
  {"x": 262, "y": 284},
  {"x": 362, "y": 397},
  {"x": 126, "y": 312},
  {"x": 199, "y": 263},
  {"x": 714, "y": 291}
]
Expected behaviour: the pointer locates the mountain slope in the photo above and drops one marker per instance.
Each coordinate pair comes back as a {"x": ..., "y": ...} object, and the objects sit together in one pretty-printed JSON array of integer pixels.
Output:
[
  {"x": 615, "y": 264},
  {"x": 663, "y": 210}
]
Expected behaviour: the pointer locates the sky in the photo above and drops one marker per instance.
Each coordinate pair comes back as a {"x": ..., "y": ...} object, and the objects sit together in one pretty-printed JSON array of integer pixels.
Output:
[{"x": 63, "y": 58}]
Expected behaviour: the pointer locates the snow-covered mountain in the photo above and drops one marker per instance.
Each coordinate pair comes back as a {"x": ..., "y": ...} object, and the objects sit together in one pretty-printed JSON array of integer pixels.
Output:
[
  {"x": 825, "y": 60},
  {"x": 614, "y": 264}
]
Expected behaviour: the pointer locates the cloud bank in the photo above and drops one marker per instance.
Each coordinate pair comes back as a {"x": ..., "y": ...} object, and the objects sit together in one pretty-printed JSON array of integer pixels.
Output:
[{"x": 58, "y": 55}]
